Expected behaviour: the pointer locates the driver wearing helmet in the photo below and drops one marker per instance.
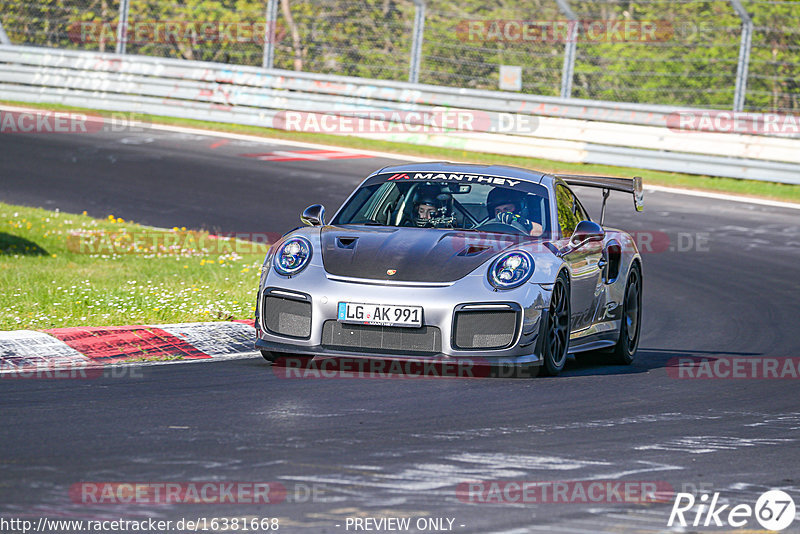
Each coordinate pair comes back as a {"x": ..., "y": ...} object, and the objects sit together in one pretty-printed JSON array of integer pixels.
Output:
[{"x": 507, "y": 206}]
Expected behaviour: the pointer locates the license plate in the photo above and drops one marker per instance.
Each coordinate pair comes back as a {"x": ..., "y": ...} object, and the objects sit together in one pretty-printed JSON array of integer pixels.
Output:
[{"x": 380, "y": 314}]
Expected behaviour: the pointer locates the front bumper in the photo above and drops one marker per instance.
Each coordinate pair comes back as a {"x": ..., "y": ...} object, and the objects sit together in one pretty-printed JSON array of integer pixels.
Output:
[{"x": 439, "y": 302}]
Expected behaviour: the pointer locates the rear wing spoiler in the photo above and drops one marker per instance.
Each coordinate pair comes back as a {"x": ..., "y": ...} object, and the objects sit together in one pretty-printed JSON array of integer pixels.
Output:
[{"x": 609, "y": 183}]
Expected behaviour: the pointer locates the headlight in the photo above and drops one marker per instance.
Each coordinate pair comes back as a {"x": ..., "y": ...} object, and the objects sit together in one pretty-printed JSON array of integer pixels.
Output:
[
  {"x": 511, "y": 269},
  {"x": 292, "y": 256}
]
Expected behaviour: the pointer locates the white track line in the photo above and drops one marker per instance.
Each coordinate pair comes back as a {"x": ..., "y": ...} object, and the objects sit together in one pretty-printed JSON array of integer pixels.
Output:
[
  {"x": 279, "y": 141},
  {"x": 389, "y": 155},
  {"x": 724, "y": 196},
  {"x": 401, "y": 157}
]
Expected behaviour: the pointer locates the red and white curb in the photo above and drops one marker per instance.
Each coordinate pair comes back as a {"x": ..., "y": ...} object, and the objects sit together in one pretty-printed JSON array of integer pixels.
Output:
[
  {"x": 92, "y": 346},
  {"x": 23, "y": 349}
]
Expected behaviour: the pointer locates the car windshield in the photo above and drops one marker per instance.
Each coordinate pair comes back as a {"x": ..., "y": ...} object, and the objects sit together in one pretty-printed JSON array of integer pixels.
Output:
[{"x": 502, "y": 205}]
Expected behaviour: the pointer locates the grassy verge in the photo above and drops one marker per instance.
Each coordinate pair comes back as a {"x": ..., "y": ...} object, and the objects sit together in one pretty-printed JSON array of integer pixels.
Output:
[
  {"x": 776, "y": 191},
  {"x": 60, "y": 269}
]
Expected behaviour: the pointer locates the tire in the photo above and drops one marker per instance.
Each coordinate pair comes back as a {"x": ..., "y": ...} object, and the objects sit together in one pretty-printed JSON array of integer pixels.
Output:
[
  {"x": 624, "y": 351},
  {"x": 270, "y": 356},
  {"x": 555, "y": 345},
  {"x": 279, "y": 359}
]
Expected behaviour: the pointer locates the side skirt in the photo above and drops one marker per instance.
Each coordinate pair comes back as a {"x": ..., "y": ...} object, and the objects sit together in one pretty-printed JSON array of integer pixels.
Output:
[{"x": 599, "y": 336}]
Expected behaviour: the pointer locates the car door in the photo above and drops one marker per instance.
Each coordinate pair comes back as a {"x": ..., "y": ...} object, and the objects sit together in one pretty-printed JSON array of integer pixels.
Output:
[{"x": 586, "y": 288}]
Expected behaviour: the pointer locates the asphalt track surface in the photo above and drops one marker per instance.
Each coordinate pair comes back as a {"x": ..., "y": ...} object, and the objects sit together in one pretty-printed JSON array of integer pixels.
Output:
[{"x": 400, "y": 447}]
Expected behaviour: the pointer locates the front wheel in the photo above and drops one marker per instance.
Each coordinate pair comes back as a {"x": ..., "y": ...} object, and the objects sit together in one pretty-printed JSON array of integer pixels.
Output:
[
  {"x": 284, "y": 359},
  {"x": 270, "y": 356},
  {"x": 556, "y": 341},
  {"x": 631, "y": 323}
]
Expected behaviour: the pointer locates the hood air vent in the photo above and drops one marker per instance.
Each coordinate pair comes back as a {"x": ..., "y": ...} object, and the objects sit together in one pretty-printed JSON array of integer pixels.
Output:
[
  {"x": 346, "y": 242},
  {"x": 473, "y": 250}
]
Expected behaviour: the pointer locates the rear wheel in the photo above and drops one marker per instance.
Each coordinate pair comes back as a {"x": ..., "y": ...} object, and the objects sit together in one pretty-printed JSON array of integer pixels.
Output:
[
  {"x": 556, "y": 341},
  {"x": 625, "y": 349}
]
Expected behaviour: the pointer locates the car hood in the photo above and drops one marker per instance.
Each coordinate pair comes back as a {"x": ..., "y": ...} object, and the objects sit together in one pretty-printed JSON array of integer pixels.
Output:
[{"x": 414, "y": 254}]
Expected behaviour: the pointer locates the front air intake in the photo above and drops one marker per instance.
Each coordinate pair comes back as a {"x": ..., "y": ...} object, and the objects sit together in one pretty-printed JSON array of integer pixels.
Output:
[
  {"x": 426, "y": 340},
  {"x": 287, "y": 317},
  {"x": 484, "y": 329}
]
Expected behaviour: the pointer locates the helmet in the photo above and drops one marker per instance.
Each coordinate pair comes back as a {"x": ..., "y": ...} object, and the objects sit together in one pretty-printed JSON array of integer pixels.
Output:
[
  {"x": 423, "y": 201},
  {"x": 499, "y": 196},
  {"x": 430, "y": 196}
]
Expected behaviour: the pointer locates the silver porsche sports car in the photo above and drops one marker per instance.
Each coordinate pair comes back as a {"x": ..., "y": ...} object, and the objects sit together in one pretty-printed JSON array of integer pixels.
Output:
[{"x": 449, "y": 261}]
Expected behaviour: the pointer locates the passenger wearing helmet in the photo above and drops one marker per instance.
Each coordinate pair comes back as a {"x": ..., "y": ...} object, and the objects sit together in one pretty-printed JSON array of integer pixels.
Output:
[
  {"x": 508, "y": 207},
  {"x": 431, "y": 208},
  {"x": 424, "y": 210}
]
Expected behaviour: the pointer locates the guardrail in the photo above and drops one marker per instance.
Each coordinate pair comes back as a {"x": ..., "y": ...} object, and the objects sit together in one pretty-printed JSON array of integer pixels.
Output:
[{"x": 628, "y": 135}]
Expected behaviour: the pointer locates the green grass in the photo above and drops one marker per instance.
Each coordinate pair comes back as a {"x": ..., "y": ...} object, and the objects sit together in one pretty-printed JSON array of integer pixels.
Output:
[
  {"x": 61, "y": 269},
  {"x": 754, "y": 188}
]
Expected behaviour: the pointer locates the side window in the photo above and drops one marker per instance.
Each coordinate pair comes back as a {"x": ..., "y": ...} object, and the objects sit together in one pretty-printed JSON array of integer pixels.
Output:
[
  {"x": 580, "y": 212},
  {"x": 376, "y": 209},
  {"x": 570, "y": 212},
  {"x": 387, "y": 205},
  {"x": 355, "y": 208}
]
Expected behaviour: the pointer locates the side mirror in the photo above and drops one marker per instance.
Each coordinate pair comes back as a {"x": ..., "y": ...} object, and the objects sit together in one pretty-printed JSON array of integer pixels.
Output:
[
  {"x": 586, "y": 232},
  {"x": 313, "y": 215}
]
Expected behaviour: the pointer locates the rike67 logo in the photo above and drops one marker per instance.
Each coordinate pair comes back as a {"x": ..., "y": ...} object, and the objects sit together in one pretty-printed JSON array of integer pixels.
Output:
[{"x": 774, "y": 510}]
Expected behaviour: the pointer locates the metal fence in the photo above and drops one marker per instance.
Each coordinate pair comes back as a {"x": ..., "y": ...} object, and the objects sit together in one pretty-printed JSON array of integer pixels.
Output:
[
  {"x": 719, "y": 54},
  {"x": 627, "y": 135}
]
